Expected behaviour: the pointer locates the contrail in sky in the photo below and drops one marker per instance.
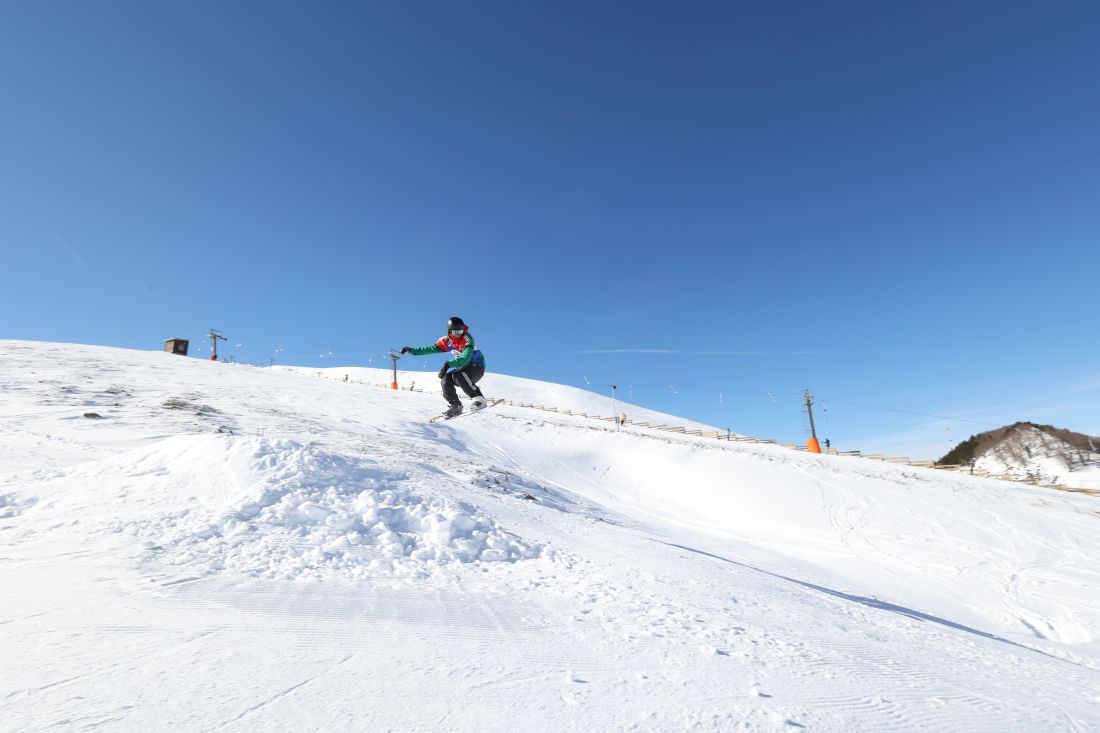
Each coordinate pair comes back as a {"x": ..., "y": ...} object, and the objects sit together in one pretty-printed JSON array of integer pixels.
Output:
[{"x": 72, "y": 252}]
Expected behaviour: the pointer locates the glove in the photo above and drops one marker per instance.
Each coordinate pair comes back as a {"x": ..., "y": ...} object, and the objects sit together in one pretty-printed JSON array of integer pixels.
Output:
[
  {"x": 406, "y": 349},
  {"x": 443, "y": 370}
]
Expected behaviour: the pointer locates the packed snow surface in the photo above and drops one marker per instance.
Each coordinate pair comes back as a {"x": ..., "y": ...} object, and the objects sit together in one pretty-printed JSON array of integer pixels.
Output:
[{"x": 216, "y": 547}]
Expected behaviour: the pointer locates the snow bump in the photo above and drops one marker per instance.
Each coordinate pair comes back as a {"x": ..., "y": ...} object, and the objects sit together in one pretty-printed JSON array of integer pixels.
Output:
[
  {"x": 306, "y": 512},
  {"x": 281, "y": 509}
]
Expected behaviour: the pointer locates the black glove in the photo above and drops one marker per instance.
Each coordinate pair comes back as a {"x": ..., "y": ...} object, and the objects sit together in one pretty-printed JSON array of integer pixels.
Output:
[
  {"x": 406, "y": 349},
  {"x": 443, "y": 370}
]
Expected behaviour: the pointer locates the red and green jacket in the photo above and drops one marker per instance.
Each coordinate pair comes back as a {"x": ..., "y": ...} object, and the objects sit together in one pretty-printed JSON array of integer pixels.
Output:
[{"x": 462, "y": 350}]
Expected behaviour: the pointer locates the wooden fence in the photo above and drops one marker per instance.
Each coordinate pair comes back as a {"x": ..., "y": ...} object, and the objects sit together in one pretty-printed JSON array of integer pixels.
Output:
[{"x": 741, "y": 438}]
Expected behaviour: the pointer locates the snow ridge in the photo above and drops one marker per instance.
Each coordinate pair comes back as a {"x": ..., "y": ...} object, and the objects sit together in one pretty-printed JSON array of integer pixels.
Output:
[{"x": 280, "y": 509}]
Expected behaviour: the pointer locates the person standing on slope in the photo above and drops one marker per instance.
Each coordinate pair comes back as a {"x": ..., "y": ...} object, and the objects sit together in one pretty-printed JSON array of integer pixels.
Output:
[{"x": 465, "y": 367}]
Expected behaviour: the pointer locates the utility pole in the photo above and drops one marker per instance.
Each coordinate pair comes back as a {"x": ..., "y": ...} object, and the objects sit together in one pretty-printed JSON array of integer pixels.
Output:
[
  {"x": 811, "y": 445},
  {"x": 394, "y": 356},
  {"x": 215, "y": 336},
  {"x": 614, "y": 409}
]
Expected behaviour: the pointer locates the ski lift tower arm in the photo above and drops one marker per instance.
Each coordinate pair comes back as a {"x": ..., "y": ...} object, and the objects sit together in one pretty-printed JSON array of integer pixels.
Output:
[{"x": 215, "y": 336}]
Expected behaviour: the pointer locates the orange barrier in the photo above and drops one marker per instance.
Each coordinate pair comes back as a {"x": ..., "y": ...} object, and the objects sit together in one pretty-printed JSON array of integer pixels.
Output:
[{"x": 812, "y": 445}]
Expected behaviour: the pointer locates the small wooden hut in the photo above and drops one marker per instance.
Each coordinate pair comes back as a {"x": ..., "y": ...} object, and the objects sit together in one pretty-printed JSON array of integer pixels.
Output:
[{"x": 176, "y": 346}]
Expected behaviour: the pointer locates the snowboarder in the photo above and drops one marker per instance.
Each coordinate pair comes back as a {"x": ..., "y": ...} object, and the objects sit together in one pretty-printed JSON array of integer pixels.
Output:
[{"x": 465, "y": 367}]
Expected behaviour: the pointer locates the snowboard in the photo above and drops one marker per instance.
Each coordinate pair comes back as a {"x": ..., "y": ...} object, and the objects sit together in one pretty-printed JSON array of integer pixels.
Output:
[{"x": 488, "y": 404}]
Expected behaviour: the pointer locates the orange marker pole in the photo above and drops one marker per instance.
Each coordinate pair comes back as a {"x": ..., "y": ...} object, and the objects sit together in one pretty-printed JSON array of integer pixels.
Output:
[{"x": 811, "y": 443}]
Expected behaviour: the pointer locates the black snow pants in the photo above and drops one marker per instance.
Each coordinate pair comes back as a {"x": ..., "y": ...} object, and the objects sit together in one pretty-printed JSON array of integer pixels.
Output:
[{"x": 467, "y": 378}]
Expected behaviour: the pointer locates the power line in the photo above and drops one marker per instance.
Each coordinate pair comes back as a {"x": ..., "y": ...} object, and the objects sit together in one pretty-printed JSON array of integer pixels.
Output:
[
  {"x": 907, "y": 412},
  {"x": 773, "y": 395},
  {"x": 676, "y": 386}
]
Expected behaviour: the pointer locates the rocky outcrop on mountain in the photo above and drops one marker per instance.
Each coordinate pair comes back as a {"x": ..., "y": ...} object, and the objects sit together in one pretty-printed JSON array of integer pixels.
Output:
[{"x": 1030, "y": 452}]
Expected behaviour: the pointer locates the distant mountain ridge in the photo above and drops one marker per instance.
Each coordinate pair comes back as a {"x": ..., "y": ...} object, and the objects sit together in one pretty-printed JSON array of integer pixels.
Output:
[{"x": 1026, "y": 450}]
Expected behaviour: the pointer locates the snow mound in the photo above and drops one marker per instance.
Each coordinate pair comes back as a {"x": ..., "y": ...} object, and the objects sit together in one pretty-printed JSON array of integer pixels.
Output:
[{"x": 281, "y": 509}]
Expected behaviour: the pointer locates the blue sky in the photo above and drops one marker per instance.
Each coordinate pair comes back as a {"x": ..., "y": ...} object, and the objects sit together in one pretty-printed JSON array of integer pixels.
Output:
[{"x": 711, "y": 205}]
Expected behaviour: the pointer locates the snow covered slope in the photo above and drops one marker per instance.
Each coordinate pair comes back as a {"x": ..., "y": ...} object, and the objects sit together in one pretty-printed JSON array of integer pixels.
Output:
[
  {"x": 220, "y": 547},
  {"x": 502, "y": 386}
]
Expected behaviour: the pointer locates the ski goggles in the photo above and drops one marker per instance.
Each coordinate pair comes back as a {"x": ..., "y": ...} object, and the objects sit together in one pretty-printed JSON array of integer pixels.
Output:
[{"x": 456, "y": 331}]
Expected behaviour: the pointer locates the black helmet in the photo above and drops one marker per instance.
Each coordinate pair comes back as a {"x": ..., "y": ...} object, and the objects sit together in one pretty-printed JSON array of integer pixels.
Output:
[{"x": 454, "y": 323}]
